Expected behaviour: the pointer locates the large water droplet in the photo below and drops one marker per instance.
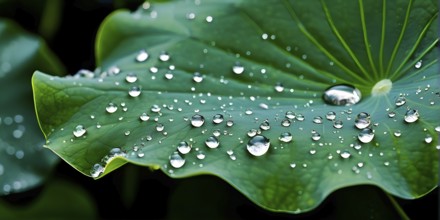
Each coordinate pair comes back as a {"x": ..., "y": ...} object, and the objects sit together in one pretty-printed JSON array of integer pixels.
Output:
[
  {"x": 183, "y": 147},
  {"x": 285, "y": 137},
  {"x": 197, "y": 120},
  {"x": 362, "y": 120},
  {"x": 79, "y": 131},
  {"x": 176, "y": 160},
  {"x": 217, "y": 119},
  {"x": 258, "y": 145},
  {"x": 111, "y": 107},
  {"x": 411, "y": 115},
  {"x": 366, "y": 135},
  {"x": 212, "y": 142},
  {"x": 134, "y": 91},
  {"x": 142, "y": 56},
  {"x": 238, "y": 68},
  {"x": 342, "y": 95}
]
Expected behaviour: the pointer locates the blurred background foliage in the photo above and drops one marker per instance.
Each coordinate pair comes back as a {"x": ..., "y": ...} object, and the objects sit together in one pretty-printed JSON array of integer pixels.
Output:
[{"x": 69, "y": 29}]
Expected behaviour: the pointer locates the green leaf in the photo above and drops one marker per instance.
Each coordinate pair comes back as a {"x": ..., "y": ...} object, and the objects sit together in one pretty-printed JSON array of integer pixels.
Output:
[
  {"x": 23, "y": 162},
  {"x": 286, "y": 53},
  {"x": 60, "y": 199}
]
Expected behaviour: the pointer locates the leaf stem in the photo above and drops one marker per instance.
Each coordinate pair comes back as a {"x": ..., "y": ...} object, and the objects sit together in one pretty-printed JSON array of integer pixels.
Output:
[{"x": 397, "y": 207}]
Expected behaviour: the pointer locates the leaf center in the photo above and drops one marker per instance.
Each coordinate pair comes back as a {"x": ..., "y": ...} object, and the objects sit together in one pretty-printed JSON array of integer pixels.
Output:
[{"x": 382, "y": 87}]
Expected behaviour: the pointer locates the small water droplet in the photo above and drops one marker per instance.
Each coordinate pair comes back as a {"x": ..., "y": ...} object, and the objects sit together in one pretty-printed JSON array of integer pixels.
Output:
[
  {"x": 411, "y": 115},
  {"x": 366, "y": 135},
  {"x": 140, "y": 154},
  {"x": 79, "y": 131},
  {"x": 397, "y": 133},
  {"x": 155, "y": 108},
  {"x": 159, "y": 127},
  {"x": 197, "y": 77},
  {"x": 292, "y": 165},
  {"x": 258, "y": 145},
  {"x": 279, "y": 87},
  {"x": 200, "y": 155},
  {"x": 134, "y": 91},
  {"x": 164, "y": 56},
  {"x": 265, "y": 125},
  {"x": 300, "y": 117},
  {"x": 209, "y": 19},
  {"x": 317, "y": 120},
  {"x": 418, "y": 64},
  {"x": 97, "y": 170},
  {"x": 212, "y": 142},
  {"x": 345, "y": 154},
  {"x": 342, "y": 95},
  {"x": 197, "y": 120},
  {"x": 217, "y": 119},
  {"x": 176, "y": 160},
  {"x": 252, "y": 132},
  {"x": 428, "y": 139},
  {"x": 183, "y": 147},
  {"x": 285, "y": 122},
  {"x": 362, "y": 120},
  {"x": 285, "y": 137},
  {"x": 401, "y": 100},
  {"x": 238, "y": 68},
  {"x": 111, "y": 107},
  {"x": 144, "y": 117},
  {"x": 391, "y": 114},
  {"x": 338, "y": 124},
  {"x": 437, "y": 129},
  {"x": 290, "y": 115},
  {"x": 230, "y": 123},
  {"x": 316, "y": 136},
  {"x": 131, "y": 78},
  {"x": 331, "y": 115},
  {"x": 142, "y": 56}
]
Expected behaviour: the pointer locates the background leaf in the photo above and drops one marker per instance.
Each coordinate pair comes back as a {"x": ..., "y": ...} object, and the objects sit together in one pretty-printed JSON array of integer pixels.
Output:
[
  {"x": 253, "y": 63},
  {"x": 23, "y": 161}
]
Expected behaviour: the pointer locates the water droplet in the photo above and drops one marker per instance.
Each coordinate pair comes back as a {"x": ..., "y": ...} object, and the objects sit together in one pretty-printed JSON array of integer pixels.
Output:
[
  {"x": 212, "y": 142},
  {"x": 292, "y": 165},
  {"x": 238, "y": 68},
  {"x": 79, "y": 131},
  {"x": 229, "y": 123},
  {"x": 164, "y": 56},
  {"x": 134, "y": 91},
  {"x": 252, "y": 132},
  {"x": 317, "y": 120},
  {"x": 397, "y": 133},
  {"x": 331, "y": 115},
  {"x": 200, "y": 155},
  {"x": 142, "y": 56},
  {"x": 197, "y": 77},
  {"x": 290, "y": 115},
  {"x": 411, "y": 115},
  {"x": 391, "y": 114},
  {"x": 258, "y": 145},
  {"x": 111, "y": 107},
  {"x": 265, "y": 125},
  {"x": 300, "y": 117},
  {"x": 345, "y": 154},
  {"x": 285, "y": 137},
  {"x": 316, "y": 136},
  {"x": 176, "y": 160},
  {"x": 131, "y": 78},
  {"x": 144, "y": 117},
  {"x": 428, "y": 139},
  {"x": 338, "y": 124},
  {"x": 97, "y": 170},
  {"x": 155, "y": 108},
  {"x": 437, "y": 129},
  {"x": 197, "y": 120},
  {"x": 401, "y": 100},
  {"x": 209, "y": 19},
  {"x": 159, "y": 127},
  {"x": 217, "y": 119},
  {"x": 418, "y": 64},
  {"x": 183, "y": 147},
  {"x": 279, "y": 87},
  {"x": 342, "y": 95},
  {"x": 362, "y": 120},
  {"x": 285, "y": 122},
  {"x": 366, "y": 135}
]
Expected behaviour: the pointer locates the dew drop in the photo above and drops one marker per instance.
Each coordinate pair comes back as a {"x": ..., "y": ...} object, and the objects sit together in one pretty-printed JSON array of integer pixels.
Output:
[
  {"x": 197, "y": 77},
  {"x": 285, "y": 122},
  {"x": 176, "y": 160},
  {"x": 79, "y": 131},
  {"x": 331, "y": 115},
  {"x": 316, "y": 136},
  {"x": 290, "y": 115},
  {"x": 159, "y": 127},
  {"x": 397, "y": 133},
  {"x": 285, "y": 137},
  {"x": 197, "y": 120},
  {"x": 292, "y": 165},
  {"x": 155, "y": 108},
  {"x": 265, "y": 125},
  {"x": 345, "y": 154},
  {"x": 342, "y": 95},
  {"x": 164, "y": 56},
  {"x": 428, "y": 139},
  {"x": 200, "y": 155},
  {"x": 258, "y": 145},
  {"x": 401, "y": 100},
  {"x": 217, "y": 119},
  {"x": 183, "y": 147},
  {"x": 238, "y": 68},
  {"x": 212, "y": 142},
  {"x": 111, "y": 107},
  {"x": 144, "y": 117},
  {"x": 411, "y": 115},
  {"x": 366, "y": 135},
  {"x": 142, "y": 56},
  {"x": 391, "y": 114},
  {"x": 230, "y": 123},
  {"x": 418, "y": 64},
  {"x": 338, "y": 124},
  {"x": 300, "y": 117},
  {"x": 252, "y": 132},
  {"x": 317, "y": 120},
  {"x": 279, "y": 87},
  {"x": 131, "y": 78},
  {"x": 362, "y": 120},
  {"x": 134, "y": 91},
  {"x": 97, "y": 170}
]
